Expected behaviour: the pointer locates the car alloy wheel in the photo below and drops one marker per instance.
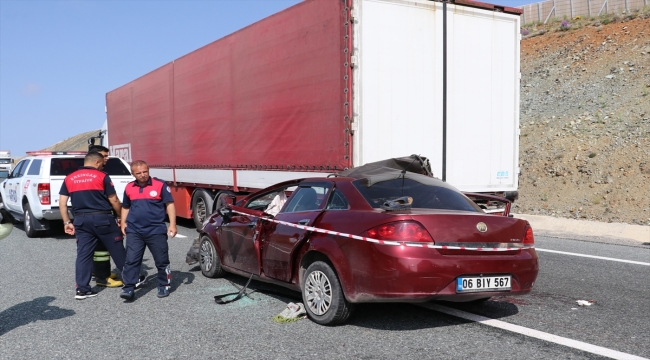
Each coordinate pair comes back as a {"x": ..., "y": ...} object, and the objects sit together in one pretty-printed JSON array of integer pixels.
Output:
[
  {"x": 318, "y": 291},
  {"x": 323, "y": 296},
  {"x": 206, "y": 256},
  {"x": 210, "y": 262}
]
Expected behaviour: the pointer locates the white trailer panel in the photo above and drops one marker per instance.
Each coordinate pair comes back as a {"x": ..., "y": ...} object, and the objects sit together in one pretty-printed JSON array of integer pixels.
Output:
[{"x": 398, "y": 89}]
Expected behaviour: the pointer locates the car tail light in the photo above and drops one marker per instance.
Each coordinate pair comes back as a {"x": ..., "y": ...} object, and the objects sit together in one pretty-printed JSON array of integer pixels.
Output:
[
  {"x": 44, "y": 193},
  {"x": 407, "y": 231},
  {"x": 529, "y": 238}
]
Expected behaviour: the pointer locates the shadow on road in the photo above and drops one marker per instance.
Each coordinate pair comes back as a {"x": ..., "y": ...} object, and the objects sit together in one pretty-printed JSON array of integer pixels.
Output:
[
  {"x": 405, "y": 316},
  {"x": 31, "y": 311},
  {"x": 385, "y": 316},
  {"x": 179, "y": 278}
]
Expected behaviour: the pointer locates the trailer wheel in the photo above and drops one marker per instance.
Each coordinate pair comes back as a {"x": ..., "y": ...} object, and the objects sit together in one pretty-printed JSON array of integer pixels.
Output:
[
  {"x": 221, "y": 200},
  {"x": 323, "y": 296},
  {"x": 201, "y": 206},
  {"x": 210, "y": 262}
]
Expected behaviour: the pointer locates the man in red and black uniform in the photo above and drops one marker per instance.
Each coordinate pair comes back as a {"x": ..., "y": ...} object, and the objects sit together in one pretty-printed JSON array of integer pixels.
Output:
[
  {"x": 144, "y": 205},
  {"x": 93, "y": 200},
  {"x": 101, "y": 259}
]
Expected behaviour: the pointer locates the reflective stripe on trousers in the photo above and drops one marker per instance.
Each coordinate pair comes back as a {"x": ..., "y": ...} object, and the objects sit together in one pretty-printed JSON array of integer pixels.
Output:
[{"x": 102, "y": 256}]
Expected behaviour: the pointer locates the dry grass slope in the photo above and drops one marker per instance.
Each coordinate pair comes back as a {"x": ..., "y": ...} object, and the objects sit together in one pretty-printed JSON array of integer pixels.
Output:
[{"x": 75, "y": 143}]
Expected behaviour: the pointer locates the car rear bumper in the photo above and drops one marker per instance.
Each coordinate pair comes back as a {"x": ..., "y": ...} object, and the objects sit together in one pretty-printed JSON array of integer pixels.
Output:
[{"x": 416, "y": 275}]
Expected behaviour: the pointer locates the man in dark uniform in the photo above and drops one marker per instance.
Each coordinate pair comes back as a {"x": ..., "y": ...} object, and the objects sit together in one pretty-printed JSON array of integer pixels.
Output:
[
  {"x": 101, "y": 258},
  {"x": 144, "y": 205},
  {"x": 93, "y": 200}
]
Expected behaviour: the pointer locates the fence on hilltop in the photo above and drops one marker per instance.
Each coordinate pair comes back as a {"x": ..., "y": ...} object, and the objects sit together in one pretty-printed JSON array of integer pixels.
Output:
[{"x": 543, "y": 11}]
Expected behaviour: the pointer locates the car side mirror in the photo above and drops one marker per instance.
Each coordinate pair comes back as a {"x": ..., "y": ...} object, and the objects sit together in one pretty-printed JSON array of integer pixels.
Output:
[{"x": 226, "y": 214}]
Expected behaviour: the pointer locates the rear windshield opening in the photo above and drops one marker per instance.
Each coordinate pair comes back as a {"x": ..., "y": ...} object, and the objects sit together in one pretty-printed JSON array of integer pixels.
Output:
[
  {"x": 424, "y": 196},
  {"x": 63, "y": 166}
]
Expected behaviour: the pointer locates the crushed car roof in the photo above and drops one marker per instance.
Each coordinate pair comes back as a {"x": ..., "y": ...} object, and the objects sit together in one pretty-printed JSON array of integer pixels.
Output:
[{"x": 412, "y": 167}]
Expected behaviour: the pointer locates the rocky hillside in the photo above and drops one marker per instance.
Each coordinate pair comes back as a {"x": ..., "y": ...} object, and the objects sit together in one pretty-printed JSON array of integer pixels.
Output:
[{"x": 585, "y": 119}]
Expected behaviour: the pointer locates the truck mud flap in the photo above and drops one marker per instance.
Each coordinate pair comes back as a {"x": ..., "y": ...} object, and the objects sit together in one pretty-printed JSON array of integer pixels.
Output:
[{"x": 40, "y": 225}]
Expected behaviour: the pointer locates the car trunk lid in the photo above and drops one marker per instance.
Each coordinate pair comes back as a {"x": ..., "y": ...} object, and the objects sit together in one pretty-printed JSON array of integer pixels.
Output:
[{"x": 473, "y": 230}]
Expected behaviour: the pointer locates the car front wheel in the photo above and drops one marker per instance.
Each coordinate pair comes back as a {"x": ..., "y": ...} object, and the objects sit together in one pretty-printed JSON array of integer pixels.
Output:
[
  {"x": 210, "y": 263},
  {"x": 323, "y": 296}
]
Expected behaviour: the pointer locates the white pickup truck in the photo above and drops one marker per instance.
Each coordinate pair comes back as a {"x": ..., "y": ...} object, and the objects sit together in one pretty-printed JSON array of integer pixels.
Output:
[{"x": 31, "y": 192}]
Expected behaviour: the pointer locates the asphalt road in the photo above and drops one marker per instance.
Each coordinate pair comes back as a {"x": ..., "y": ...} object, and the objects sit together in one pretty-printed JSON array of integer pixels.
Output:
[{"x": 40, "y": 319}]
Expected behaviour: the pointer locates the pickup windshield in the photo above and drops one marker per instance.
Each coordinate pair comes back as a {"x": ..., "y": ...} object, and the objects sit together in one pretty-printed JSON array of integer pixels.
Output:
[{"x": 64, "y": 166}]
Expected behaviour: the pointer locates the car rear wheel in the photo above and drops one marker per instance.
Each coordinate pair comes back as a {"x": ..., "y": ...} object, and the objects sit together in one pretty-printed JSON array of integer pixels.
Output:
[
  {"x": 201, "y": 205},
  {"x": 210, "y": 263},
  {"x": 323, "y": 296},
  {"x": 28, "y": 223}
]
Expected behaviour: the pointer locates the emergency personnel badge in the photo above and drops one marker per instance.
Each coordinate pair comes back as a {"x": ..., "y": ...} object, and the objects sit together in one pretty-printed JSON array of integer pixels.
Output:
[{"x": 153, "y": 193}]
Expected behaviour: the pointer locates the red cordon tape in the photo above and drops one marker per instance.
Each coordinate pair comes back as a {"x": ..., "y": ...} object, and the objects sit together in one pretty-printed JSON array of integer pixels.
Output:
[{"x": 384, "y": 242}]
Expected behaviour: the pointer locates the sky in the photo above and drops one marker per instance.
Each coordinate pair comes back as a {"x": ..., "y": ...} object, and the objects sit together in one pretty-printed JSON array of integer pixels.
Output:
[{"x": 59, "y": 58}]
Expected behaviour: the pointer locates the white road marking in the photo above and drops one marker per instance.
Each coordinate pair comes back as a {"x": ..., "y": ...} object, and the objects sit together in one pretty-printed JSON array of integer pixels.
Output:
[
  {"x": 598, "y": 350},
  {"x": 594, "y": 257}
]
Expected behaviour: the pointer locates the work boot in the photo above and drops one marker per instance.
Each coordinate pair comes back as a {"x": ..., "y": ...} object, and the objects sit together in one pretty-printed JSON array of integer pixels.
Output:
[
  {"x": 80, "y": 295},
  {"x": 127, "y": 295},
  {"x": 108, "y": 282},
  {"x": 163, "y": 292},
  {"x": 112, "y": 276},
  {"x": 141, "y": 281}
]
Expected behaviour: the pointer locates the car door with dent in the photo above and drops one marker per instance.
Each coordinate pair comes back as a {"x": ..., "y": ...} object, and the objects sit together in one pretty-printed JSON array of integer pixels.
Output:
[
  {"x": 13, "y": 187},
  {"x": 239, "y": 240},
  {"x": 280, "y": 241}
]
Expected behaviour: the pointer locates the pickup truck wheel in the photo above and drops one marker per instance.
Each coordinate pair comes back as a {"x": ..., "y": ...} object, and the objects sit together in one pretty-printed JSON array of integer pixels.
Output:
[
  {"x": 323, "y": 296},
  {"x": 29, "y": 226},
  {"x": 201, "y": 205},
  {"x": 210, "y": 263}
]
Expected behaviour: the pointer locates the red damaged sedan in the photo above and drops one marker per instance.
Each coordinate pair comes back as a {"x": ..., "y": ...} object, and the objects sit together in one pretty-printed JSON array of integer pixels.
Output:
[{"x": 383, "y": 235}]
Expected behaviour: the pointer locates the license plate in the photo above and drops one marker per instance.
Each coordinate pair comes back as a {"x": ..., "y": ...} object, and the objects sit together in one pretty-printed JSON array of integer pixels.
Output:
[{"x": 483, "y": 283}]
